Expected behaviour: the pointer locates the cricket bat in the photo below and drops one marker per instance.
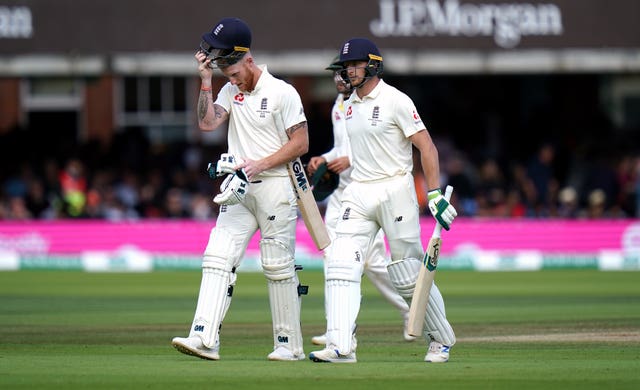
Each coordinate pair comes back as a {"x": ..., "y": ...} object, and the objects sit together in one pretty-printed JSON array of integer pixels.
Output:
[
  {"x": 307, "y": 204},
  {"x": 420, "y": 299}
]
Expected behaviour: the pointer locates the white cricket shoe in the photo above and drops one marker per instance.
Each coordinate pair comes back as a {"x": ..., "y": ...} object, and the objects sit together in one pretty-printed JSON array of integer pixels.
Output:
[
  {"x": 330, "y": 355},
  {"x": 437, "y": 353},
  {"x": 319, "y": 340},
  {"x": 193, "y": 346},
  {"x": 283, "y": 354}
]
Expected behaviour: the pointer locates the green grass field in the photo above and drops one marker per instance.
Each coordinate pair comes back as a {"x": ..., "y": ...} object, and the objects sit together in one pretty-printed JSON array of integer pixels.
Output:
[{"x": 516, "y": 330}]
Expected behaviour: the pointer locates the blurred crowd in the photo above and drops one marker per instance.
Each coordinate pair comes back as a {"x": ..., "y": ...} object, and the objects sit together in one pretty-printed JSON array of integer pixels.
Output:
[
  {"x": 133, "y": 180},
  {"x": 532, "y": 188}
]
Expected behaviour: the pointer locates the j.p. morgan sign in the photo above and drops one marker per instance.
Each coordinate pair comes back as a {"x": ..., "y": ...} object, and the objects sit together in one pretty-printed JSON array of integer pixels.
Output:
[
  {"x": 507, "y": 23},
  {"x": 15, "y": 22}
]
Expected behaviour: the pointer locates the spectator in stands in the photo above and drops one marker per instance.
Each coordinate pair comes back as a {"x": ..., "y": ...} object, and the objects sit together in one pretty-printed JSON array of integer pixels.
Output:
[
  {"x": 73, "y": 184},
  {"x": 36, "y": 200},
  {"x": 568, "y": 206},
  {"x": 627, "y": 180},
  {"x": 540, "y": 171},
  {"x": 459, "y": 178},
  {"x": 491, "y": 193}
]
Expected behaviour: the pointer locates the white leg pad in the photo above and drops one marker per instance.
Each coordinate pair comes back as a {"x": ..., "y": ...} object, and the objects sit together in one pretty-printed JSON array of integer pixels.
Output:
[
  {"x": 438, "y": 326},
  {"x": 221, "y": 251},
  {"x": 343, "y": 302},
  {"x": 216, "y": 287},
  {"x": 376, "y": 270},
  {"x": 403, "y": 274},
  {"x": 282, "y": 283},
  {"x": 216, "y": 290},
  {"x": 344, "y": 269},
  {"x": 382, "y": 282}
]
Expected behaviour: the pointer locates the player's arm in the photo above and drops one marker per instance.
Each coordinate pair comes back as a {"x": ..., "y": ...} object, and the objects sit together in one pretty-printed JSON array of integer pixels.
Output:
[
  {"x": 210, "y": 115},
  {"x": 440, "y": 207},
  {"x": 428, "y": 158},
  {"x": 296, "y": 146}
]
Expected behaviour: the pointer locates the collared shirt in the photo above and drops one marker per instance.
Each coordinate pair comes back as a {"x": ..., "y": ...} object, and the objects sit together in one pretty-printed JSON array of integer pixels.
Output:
[
  {"x": 378, "y": 127},
  {"x": 258, "y": 119}
]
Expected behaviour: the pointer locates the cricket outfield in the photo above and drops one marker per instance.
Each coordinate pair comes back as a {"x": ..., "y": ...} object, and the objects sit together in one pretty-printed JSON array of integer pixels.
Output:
[{"x": 555, "y": 329}]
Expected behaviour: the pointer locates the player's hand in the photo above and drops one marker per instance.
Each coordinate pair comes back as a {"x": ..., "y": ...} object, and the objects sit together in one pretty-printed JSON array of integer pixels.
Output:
[
  {"x": 314, "y": 163},
  {"x": 441, "y": 209},
  {"x": 339, "y": 165},
  {"x": 204, "y": 65},
  {"x": 252, "y": 168}
]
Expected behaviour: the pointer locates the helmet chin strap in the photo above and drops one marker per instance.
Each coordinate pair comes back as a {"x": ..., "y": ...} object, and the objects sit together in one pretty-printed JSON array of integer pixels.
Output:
[
  {"x": 368, "y": 75},
  {"x": 362, "y": 83},
  {"x": 348, "y": 83}
]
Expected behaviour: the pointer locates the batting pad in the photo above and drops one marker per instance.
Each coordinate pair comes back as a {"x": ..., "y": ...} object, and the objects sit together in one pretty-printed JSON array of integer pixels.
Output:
[
  {"x": 379, "y": 277},
  {"x": 438, "y": 326},
  {"x": 282, "y": 284},
  {"x": 403, "y": 274},
  {"x": 214, "y": 299},
  {"x": 343, "y": 304}
]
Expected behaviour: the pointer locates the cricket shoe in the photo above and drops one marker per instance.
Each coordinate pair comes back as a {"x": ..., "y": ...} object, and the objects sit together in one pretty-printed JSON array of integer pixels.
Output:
[
  {"x": 283, "y": 354},
  {"x": 319, "y": 340},
  {"x": 437, "y": 353},
  {"x": 330, "y": 355},
  {"x": 193, "y": 346}
]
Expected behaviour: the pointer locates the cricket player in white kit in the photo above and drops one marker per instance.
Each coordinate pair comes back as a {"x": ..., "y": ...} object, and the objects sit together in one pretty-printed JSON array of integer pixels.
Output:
[
  {"x": 338, "y": 161},
  {"x": 266, "y": 129},
  {"x": 382, "y": 125}
]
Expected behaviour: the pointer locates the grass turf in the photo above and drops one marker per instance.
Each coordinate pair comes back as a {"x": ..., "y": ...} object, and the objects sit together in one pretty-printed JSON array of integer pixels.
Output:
[{"x": 516, "y": 330}]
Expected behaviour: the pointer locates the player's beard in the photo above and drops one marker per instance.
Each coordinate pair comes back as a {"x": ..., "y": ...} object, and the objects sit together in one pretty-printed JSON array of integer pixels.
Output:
[{"x": 357, "y": 81}]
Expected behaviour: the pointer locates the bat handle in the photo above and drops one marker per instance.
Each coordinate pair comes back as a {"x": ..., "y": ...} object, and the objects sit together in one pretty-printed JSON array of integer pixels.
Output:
[{"x": 447, "y": 193}]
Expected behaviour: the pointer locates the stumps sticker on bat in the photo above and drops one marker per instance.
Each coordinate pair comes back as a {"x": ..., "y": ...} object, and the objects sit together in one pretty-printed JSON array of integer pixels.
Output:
[{"x": 431, "y": 257}]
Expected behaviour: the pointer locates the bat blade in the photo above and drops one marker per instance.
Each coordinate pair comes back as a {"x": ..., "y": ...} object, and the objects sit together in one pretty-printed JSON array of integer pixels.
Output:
[
  {"x": 426, "y": 276},
  {"x": 308, "y": 206},
  {"x": 420, "y": 300}
]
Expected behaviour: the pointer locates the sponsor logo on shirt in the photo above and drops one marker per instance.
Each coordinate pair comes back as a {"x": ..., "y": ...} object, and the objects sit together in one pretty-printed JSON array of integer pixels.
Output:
[
  {"x": 416, "y": 117},
  {"x": 239, "y": 99},
  {"x": 349, "y": 113}
]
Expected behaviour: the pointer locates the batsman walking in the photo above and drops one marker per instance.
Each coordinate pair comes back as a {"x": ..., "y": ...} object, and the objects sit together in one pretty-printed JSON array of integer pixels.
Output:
[
  {"x": 338, "y": 161},
  {"x": 256, "y": 194},
  {"x": 382, "y": 125}
]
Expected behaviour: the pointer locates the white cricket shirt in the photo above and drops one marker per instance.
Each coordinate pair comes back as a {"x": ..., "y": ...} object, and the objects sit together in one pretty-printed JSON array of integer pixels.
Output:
[
  {"x": 378, "y": 127},
  {"x": 258, "y": 119},
  {"x": 341, "y": 145}
]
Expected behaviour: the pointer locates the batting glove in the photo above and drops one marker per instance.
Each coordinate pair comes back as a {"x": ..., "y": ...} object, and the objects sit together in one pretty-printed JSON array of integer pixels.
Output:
[
  {"x": 226, "y": 165},
  {"x": 233, "y": 189},
  {"x": 441, "y": 209}
]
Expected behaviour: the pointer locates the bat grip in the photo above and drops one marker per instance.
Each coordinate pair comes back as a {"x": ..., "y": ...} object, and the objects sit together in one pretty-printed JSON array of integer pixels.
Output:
[{"x": 447, "y": 193}]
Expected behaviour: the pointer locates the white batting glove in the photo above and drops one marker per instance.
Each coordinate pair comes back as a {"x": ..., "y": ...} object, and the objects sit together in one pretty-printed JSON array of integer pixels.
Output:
[
  {"x": 226, "y": 164},
  {"x": 441, "y": 209},
  {"x": 233, "y": 189}
]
